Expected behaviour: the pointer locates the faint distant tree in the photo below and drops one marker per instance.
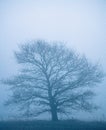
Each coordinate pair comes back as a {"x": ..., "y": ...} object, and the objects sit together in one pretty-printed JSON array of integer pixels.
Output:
[{"x": 53, "y": 79}]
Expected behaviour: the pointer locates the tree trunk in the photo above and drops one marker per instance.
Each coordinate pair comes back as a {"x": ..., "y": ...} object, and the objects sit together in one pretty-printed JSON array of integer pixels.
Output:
[
  {"x": 54, "y": 115},
  {"x": 52, "y": 104}
]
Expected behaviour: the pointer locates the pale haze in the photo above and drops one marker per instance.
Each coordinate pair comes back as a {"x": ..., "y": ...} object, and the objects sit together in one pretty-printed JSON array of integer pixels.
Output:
[{"x": 80, "y": 24}]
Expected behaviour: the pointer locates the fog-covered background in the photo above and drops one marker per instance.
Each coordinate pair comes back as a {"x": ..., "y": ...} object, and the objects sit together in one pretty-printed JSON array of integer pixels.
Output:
[{"x": 79, "y": 23}]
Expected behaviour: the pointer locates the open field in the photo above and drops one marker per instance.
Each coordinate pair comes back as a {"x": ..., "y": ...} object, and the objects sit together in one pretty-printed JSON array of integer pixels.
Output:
[{"x": 49, "y": 125}]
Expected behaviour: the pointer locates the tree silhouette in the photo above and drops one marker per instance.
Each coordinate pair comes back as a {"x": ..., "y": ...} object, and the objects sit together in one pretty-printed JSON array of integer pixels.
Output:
[{"x": 53, "y": 79}]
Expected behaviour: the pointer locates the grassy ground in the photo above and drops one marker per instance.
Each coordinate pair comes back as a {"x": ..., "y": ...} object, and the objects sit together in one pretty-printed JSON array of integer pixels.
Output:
[{"x": 49, "y": 125}]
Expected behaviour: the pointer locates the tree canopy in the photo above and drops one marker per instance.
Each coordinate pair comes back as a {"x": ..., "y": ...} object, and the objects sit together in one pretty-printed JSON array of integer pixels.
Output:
[{"x": 53, "y": 79}]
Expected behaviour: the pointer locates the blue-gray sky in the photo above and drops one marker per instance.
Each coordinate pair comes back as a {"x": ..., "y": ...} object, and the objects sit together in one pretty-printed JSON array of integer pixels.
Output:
[{"x": 80, "y": 23}]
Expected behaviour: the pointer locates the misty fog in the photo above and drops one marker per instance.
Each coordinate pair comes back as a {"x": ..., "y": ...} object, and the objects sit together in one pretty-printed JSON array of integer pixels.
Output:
[{"x": 81, "y": 25}]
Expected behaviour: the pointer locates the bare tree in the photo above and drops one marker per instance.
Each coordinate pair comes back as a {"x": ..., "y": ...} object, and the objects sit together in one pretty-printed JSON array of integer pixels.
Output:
[{"x": 53, "y": 79}]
